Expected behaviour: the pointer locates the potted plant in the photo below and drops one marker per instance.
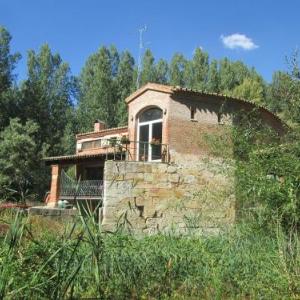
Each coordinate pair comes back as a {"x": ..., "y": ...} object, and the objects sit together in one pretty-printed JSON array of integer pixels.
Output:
[
  {"x": 155, "y": 141},
  {"x": 125, "y": 140}
]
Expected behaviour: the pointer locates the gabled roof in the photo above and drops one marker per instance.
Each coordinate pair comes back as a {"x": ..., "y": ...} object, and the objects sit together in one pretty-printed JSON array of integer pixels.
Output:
[{"x": 173, "y": 90}]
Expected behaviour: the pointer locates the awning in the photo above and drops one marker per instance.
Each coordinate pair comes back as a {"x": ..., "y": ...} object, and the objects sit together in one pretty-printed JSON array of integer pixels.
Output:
[{"x": 73, "y": 159}]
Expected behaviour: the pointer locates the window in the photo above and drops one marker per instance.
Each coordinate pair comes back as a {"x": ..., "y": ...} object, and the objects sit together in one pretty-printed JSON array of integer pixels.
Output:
[
  {"x": 150, "y": 135},
  {"x": 150, "y": 115}
]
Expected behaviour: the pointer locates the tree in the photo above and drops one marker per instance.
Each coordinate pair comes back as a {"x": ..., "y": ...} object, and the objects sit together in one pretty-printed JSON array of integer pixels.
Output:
[
  {"x": 161, "y": 72},
  {"x": 7, "y": 60},
  {"x": 125, "y": 85},
  {"x": 227, "y": 76},
  {"x": 148, "y": 68},
  {"x": 177, "y": 69},
  {"x": 200, "y": 67},
  {"x": 250, "y": 89},
  {"x": 97, "y": 91},
  {"x": 213, "y": 80},
  {"x": 47, "y": 96},
  {"x": 284, "y": 91},
  {"x": 8, "y": 92},
  {"x": 20, "y": 159},
  {"x": 278, "y": 92}
]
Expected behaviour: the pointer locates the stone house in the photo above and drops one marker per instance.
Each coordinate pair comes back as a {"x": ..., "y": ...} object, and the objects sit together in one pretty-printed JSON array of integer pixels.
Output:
[{"x": 158, "y": 173}]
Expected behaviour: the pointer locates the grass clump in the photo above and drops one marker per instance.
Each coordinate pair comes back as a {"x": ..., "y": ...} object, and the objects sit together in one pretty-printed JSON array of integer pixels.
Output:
[{"x": 78, "y": 260}]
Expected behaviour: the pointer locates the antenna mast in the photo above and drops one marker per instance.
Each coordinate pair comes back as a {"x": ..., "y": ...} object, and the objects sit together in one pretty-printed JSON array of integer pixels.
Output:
[{"x": 141, "y": 47}]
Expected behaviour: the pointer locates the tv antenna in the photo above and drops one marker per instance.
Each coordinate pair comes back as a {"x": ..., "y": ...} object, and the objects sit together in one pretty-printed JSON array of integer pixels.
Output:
[{"x": 141, "y": 47}]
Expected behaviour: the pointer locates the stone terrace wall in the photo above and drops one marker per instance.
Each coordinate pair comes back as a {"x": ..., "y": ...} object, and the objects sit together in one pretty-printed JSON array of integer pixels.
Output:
[{"x": 195, "y": 197}]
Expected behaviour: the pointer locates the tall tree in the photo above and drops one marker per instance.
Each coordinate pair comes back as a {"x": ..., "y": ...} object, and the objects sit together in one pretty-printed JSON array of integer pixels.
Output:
[
  {"x": 161, "y": 72},
  {"x": 177, "y": 70},
  {"x": 279, "y": 92},
  {"x": 200, "y": 65},
  {"x": 47, "y": 96},
  {"x": 8, "y": 93},
  {"x": 285, "y": 91},
  {"x": 20, "y": 160},
  {"x": 148, "y": 68},
  {"x": 125, "y": 85},
  {"x": 250, "y": 89},
  {"x": 213, "y": 80},
  {"x": 97, "y": 93},
  {"x": 227, "y": 76}
]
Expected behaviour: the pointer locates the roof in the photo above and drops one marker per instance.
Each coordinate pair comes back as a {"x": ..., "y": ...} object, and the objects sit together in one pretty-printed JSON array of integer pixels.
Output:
[
  {"x": 102, "y": 133},
  {"x": 73, "y": 158},
  {"x": 177, "y": 89}
]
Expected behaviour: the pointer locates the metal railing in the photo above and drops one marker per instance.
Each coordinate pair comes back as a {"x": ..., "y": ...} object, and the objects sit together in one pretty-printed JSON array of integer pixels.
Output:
[
  {"x": 73, "y": 189},
  {"x": 134, "y": 150}
]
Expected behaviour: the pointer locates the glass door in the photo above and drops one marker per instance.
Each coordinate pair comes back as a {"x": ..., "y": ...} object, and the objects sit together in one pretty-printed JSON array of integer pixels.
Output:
[
  {"x": 143, "y": 142},
  {"x": 150, "y": 135}
]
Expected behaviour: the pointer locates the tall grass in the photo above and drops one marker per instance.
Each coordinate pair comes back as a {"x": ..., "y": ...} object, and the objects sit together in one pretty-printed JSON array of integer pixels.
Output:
[{"x": 46, "y": 260}]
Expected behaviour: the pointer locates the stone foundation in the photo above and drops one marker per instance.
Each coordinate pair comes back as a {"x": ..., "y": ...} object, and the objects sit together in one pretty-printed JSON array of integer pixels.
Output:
[
  {"x": 53, "y": 213},
  {"x": 195, "y": 196}
]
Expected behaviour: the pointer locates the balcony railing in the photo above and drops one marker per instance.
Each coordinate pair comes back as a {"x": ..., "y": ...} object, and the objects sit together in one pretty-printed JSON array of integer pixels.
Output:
[
  {"x": 71, "y": 189},
  {"x": 132, "y": 150}
]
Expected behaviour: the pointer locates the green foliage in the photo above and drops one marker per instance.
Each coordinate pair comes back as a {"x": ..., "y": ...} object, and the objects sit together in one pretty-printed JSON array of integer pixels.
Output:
[
  {"x": 8, "y": 93},
  {"x": 125, "y": 86},
  {"x": 213, "y": 81},
  {"x": 148, "y": 68},
  {"x": 250, "y": 89},
  {"x": 177, "y": 70},
  {"x": 7, "y": 61},
  {"x": 46, "y": 96},
  {"x": 39, "y": 259},
  {"x": 284, "y": 91},
  {"x": 96, "y": 90},
  {"x": 268, "y": 182},
  {"x": 20, "y": 160}
]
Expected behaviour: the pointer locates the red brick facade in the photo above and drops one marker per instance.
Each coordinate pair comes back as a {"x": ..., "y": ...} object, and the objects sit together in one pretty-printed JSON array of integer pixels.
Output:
[{"x": 187, "y": 116}]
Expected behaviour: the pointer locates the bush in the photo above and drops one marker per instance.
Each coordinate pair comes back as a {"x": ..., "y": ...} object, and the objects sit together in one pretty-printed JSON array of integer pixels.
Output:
[{"x": 77, "y": 260}]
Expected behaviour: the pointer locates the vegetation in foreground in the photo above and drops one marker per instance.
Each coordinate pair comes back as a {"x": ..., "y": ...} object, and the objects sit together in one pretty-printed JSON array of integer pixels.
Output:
[{"x": 42, "y": 259}]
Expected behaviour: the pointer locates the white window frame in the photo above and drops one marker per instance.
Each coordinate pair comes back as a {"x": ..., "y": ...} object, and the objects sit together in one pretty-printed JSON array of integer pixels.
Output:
[{"x": 150, "y": 123}]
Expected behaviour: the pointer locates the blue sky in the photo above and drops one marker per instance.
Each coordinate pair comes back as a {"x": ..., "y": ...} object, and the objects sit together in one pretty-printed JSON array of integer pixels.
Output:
[{"x": 260, "y": 32}]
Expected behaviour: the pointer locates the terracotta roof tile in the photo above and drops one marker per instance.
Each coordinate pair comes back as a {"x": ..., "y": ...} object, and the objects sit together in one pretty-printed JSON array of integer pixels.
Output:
[
  {"x": 177, "y": 89},
  {"x": 102, "y": 132}
]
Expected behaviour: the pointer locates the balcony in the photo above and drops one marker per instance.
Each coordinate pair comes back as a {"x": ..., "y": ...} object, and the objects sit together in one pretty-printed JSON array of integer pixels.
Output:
[{"x": 118, "y": 149}]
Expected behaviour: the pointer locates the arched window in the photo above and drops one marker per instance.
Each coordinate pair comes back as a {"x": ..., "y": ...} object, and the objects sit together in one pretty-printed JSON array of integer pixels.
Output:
[{"x": 150, "y": 134}]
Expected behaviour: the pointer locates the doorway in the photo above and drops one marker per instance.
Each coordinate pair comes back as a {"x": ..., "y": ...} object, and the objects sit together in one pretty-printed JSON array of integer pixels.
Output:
[{"x": 150, "y": 135}]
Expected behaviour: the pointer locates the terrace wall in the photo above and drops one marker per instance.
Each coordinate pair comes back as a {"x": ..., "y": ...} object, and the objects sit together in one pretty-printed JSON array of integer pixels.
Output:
[{"x": 157, "y": 197}]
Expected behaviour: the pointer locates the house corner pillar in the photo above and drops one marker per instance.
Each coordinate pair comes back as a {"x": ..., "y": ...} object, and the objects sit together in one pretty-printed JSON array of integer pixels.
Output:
[{"x": 55, "y": 185}]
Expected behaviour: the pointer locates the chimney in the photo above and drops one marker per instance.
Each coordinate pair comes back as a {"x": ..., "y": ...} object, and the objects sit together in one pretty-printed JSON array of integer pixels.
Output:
[{"x": 99, "y": 125}]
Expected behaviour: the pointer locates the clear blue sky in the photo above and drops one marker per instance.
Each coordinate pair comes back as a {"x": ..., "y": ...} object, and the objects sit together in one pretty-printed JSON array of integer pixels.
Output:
[{"x": 268, "y": 29}]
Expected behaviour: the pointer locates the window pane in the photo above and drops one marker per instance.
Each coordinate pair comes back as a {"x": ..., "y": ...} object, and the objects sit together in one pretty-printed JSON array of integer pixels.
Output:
[
  {"x": 150, "y": 115},
  {"x": 156, "y": 141},
  {"x": 144, "y": 142}
]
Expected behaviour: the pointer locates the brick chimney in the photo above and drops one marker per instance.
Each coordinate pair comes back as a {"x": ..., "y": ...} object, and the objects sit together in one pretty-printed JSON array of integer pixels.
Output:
[{"x": 99, "y": 125}]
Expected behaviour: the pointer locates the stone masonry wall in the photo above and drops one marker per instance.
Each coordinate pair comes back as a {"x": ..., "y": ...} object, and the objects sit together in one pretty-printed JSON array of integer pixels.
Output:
[{"x": 148, "y": 198}]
